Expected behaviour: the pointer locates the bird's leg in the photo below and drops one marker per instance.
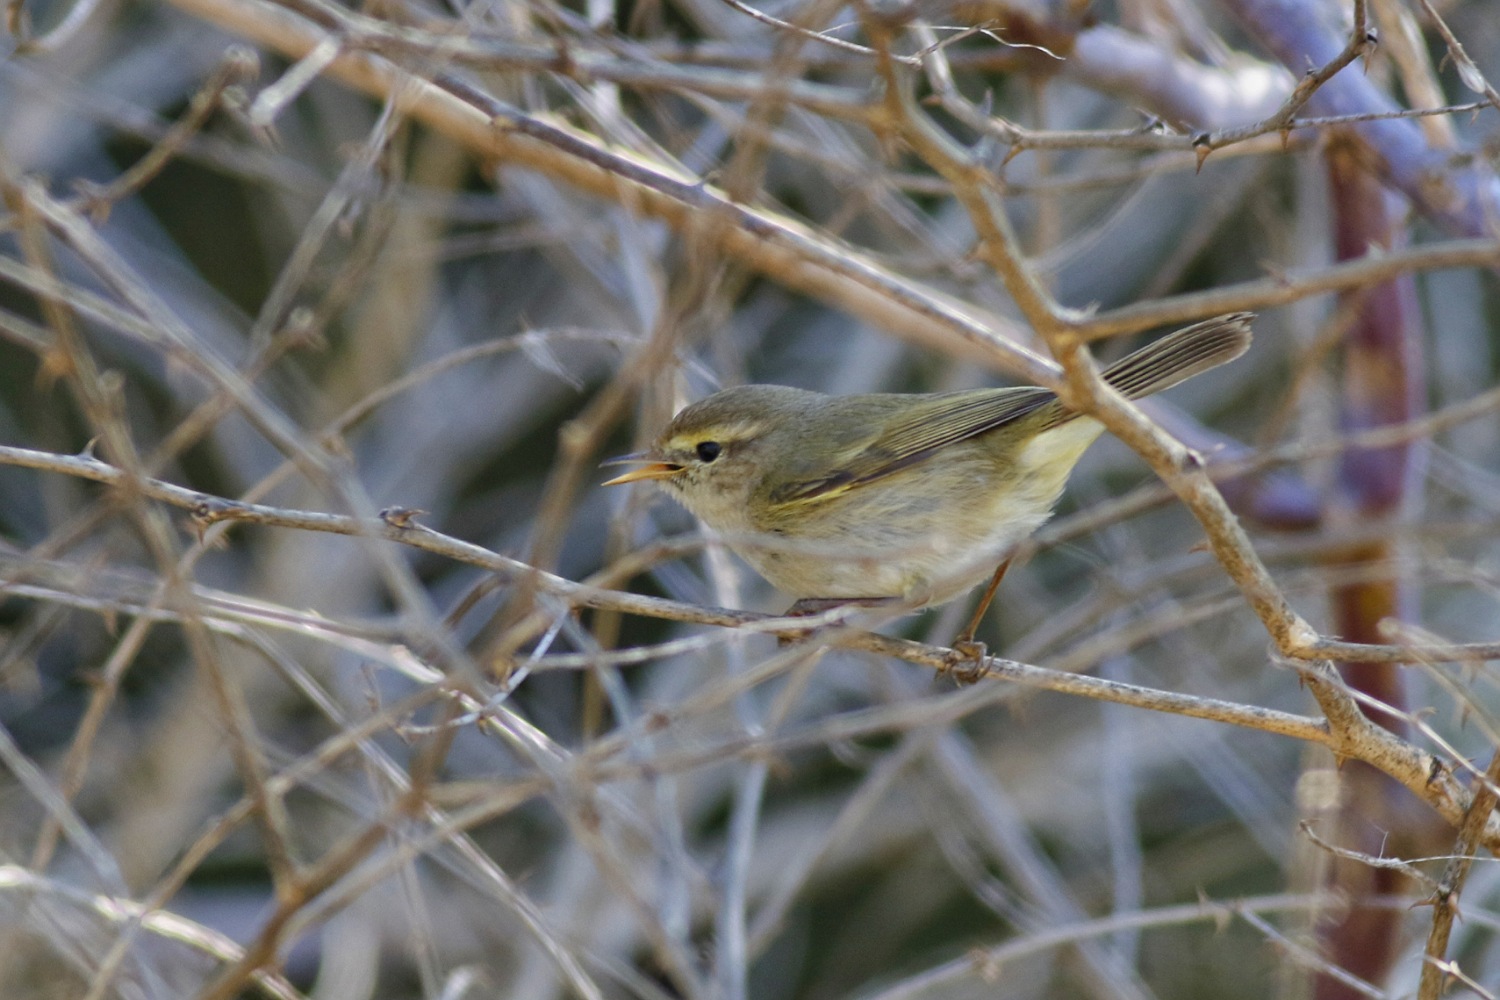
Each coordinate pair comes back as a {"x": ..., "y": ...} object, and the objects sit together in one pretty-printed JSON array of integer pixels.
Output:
[
  {"x": 966, "y": 637},
  {"x": 968, "y": 659}
]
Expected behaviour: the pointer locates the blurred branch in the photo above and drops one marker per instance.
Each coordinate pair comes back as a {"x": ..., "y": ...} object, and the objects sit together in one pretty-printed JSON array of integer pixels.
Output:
[
  {"x": 1289, "y": 286},
  {"x": 1347, "y": 732},
  {"x": 775, "y": 245},
  {"x": 239, "y": 66},
  {"x": 1402, "y": 39},
  {"x": 1180, "y": 469},
  {"x": 772, "y": 244},
  {"x": 1436, "y": 968},
  {"x": 1182, "y": 93},
  {"x": 120, "y": 911},
  {"x": 1361, "y": 41},
  {"x": 1309, "y": 958},
  {"x": 988, "y": 962},
  {"x": 1464, "y": 200},
  {"x": 398, "y": 526},
  {"x": 530, "y": 852},
  {"x": 1468, "y": 72}
]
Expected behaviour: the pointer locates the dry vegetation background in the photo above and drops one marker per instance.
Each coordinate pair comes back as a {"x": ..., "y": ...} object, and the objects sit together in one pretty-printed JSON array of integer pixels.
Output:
[{"x": 327, "y": 670}]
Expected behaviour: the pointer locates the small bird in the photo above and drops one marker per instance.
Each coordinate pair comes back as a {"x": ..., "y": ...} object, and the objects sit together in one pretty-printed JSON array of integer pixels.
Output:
[{"x": 866, "y": 498}]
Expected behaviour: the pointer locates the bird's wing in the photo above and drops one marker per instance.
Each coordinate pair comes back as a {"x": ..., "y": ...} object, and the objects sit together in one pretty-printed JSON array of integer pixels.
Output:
[
  {"x": 904, "y": 440},
  {"x": 889, "y": 443}
]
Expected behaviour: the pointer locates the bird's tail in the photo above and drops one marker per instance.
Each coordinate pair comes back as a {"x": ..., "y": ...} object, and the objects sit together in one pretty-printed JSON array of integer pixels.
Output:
[
  {"x": 1179, "y": 356},
  {"x": 1163, "y": 363}
]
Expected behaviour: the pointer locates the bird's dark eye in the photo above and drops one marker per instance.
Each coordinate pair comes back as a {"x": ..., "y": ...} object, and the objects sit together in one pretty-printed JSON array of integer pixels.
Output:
[{"x": 708, "y": 450}]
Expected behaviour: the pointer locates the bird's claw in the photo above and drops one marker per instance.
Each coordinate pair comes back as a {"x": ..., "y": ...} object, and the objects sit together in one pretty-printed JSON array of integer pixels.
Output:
[
  {"x": 801, "y": 608},
  {"x": 806, "y": 606},
  {"x": 965, "y": 662}
]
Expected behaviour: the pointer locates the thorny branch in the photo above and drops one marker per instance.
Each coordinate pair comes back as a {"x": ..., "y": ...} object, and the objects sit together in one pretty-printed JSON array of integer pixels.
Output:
[
  {"x": 417, "y": 71},
  {"x": 1347, "y": 732}
]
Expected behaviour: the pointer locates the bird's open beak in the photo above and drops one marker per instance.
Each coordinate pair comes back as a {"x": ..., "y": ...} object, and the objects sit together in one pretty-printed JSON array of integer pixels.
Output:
[{"x": 651, "y": 468}]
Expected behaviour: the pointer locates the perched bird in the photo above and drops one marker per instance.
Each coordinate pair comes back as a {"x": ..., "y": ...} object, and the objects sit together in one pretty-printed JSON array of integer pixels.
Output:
[{"x": 912, "y": 496}]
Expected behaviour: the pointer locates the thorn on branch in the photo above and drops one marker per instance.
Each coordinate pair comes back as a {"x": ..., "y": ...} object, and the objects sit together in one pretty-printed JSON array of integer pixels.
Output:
[
  {"x": 1276, "y": 274},
  {"x": 211, "y": 510},
  {"x": 985, "y": 966},
  {"x": 241, "y": 64},
  {"x": 1444, "y": 897},
  {"x": 1202, "y": 146},
  {"x": 1441, "y": 898},
  {"x": 1222, "y": 914},
  {"x": 1436, "y": 769},
  {"x": 302, "y": 330},
  {"x": 401, "y": 517}
]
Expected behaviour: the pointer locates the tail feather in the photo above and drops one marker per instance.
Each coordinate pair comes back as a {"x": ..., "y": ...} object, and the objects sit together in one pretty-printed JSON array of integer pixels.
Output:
[
  {"x": 1181, "y": 355},
  {"x": 1174, "y": 358}
]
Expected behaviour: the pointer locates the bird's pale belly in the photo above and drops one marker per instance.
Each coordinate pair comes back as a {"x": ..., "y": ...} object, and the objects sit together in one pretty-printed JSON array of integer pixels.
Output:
[{"x": 936, "y": 566}]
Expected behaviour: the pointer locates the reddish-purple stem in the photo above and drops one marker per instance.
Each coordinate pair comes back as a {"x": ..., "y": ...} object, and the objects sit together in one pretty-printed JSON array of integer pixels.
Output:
[{"x": 1382, "y": 384}]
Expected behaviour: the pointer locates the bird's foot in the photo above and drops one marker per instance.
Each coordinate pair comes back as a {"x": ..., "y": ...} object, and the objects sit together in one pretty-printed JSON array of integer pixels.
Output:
[
  {"x": 965, "y": 661},
  {"x": 807, "y": 606}
]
